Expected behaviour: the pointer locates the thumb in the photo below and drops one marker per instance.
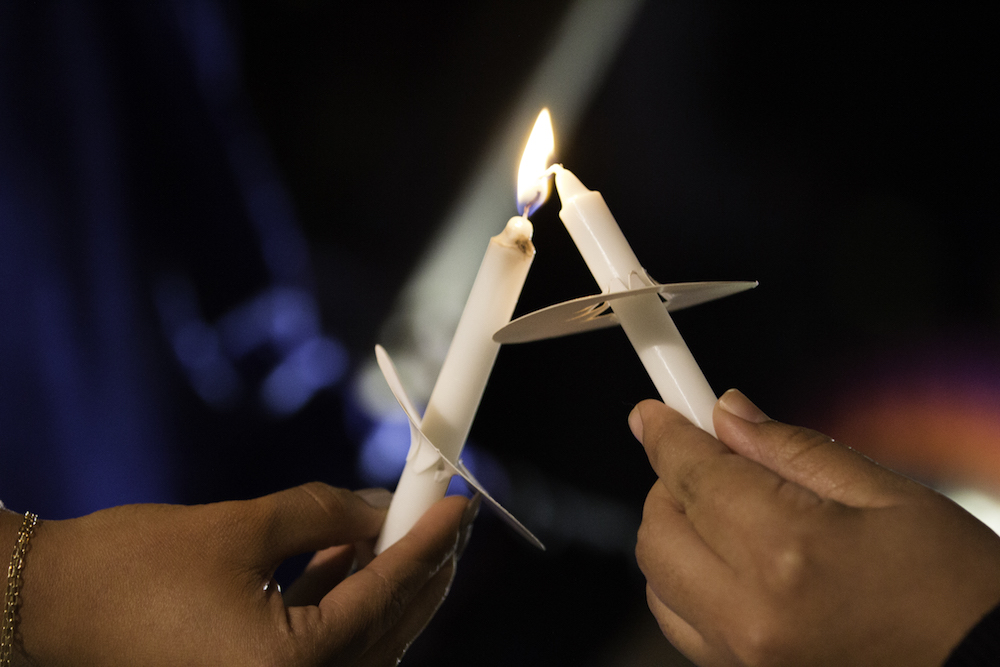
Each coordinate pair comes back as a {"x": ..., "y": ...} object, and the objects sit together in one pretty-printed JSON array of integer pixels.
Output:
[{"x": 804, "y": 456}]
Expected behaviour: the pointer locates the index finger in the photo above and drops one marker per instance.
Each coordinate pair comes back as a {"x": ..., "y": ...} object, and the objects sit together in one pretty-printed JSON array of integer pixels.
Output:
[
  {"x": 655, "y": 425},
  {"x": 690, "y": 462},
  {"x": 727, "y": 498},
  {"x": 304, "y": 518}
]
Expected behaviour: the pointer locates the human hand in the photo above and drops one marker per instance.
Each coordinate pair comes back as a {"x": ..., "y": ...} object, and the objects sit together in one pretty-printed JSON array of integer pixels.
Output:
[
  {"x": 774, "y": 545},
  {"x": 179, "y": 585}
]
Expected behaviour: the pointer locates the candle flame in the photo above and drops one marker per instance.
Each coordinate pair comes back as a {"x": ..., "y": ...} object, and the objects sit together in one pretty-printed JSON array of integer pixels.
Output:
[{"x": 532, "y": 177}]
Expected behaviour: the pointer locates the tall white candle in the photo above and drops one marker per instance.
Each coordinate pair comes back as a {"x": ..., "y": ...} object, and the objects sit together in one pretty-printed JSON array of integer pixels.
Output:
[
  {"x": 455, "y": 398},
  {"x": 467, "y": 366},
  {"x": 460, "y": 385},
  {"x": 670, "y": 364}
]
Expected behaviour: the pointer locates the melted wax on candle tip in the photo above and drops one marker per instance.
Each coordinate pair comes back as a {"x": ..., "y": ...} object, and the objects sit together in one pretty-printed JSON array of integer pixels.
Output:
[{"x": 517, "y": 234}]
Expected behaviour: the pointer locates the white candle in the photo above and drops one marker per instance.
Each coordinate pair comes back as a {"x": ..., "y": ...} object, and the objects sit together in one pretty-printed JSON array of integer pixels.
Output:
[
  {"x": 455, "y": 398},
  {"x": 459, "y": 388},
  {"x": 646, "y": 322}
]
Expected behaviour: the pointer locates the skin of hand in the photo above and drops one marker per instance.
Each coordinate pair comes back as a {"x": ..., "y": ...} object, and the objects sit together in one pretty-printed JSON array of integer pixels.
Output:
[
  {"x": 775, "y": 545},
  {"x": 192, "y": 585}
]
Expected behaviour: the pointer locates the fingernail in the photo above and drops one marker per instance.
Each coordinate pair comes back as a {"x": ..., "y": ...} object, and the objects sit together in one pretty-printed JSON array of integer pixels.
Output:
[
  {"x": 465, "y": 526},
  {"x": 635, "y": 423},
  {"x": 377, "y": 498},
  {"x": 735, "y": 403}
]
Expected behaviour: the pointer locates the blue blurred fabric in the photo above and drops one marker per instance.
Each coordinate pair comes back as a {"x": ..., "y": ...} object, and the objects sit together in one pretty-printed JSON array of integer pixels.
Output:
[{"x": 138, "y": 213}]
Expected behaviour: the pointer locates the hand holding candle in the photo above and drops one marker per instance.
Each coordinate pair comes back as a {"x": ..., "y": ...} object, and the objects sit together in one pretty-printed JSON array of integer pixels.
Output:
[{"x": 775, "y": 545}]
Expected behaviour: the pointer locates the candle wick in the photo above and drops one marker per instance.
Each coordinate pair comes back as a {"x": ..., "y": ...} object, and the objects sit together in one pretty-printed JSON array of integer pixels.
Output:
[
  {"x": 528, "y": 206},
  {"x": 540, "y": 193}
]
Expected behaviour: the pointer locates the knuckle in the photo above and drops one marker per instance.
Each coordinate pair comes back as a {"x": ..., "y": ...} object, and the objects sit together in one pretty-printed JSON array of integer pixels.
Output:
[
  {"x": 269, "y": 515},
  {"x": 664, "y": 431},
  {"x": 329, "y": 498},
  {"x": 790, "y": 562},
  {"x": 802, "y": 443},
  {"x": 788, "y": 570},
  {"x": 691, "y": 478},
  {"x": 807, "y": 436},
  {"x": 702, "y": 476},
  {"x": 649, "y": 506},
  {"x": 642, "y": 550},
  {"x": 393, "y": 596},
  {"x": 332, "y": 501}
]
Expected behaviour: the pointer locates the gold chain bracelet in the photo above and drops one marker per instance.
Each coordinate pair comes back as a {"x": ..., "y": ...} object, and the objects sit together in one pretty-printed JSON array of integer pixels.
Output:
[{"x": 12, "y": 601}]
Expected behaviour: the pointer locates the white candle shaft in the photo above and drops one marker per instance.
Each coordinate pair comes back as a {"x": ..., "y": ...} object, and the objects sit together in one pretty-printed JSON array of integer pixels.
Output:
[
  {"x": 455, "y": 398},
  {"x": 649, "y": 327}
]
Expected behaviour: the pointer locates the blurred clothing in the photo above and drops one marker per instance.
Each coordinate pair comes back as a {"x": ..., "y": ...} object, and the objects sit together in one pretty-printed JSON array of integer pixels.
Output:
[{"x": 148, "y": 254}]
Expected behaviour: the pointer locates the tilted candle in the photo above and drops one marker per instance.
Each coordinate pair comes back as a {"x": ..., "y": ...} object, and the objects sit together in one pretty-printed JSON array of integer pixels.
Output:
[
  {"x": 455, "y": 398},
  {"x": 646, "y": 322}
]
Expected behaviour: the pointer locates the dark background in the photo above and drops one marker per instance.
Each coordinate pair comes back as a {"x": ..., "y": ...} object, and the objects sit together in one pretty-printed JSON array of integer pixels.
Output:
[{"x": 843, "y": 155}]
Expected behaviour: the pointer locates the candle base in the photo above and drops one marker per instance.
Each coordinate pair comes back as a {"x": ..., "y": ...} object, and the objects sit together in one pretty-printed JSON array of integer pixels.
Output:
[
  {"x": 426, "y": 474},
  {"x": 414, "y": 495}
]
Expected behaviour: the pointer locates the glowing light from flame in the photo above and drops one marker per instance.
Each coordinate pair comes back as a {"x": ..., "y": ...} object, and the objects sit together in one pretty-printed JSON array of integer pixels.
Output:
[{"x": 532, "y": 180}]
